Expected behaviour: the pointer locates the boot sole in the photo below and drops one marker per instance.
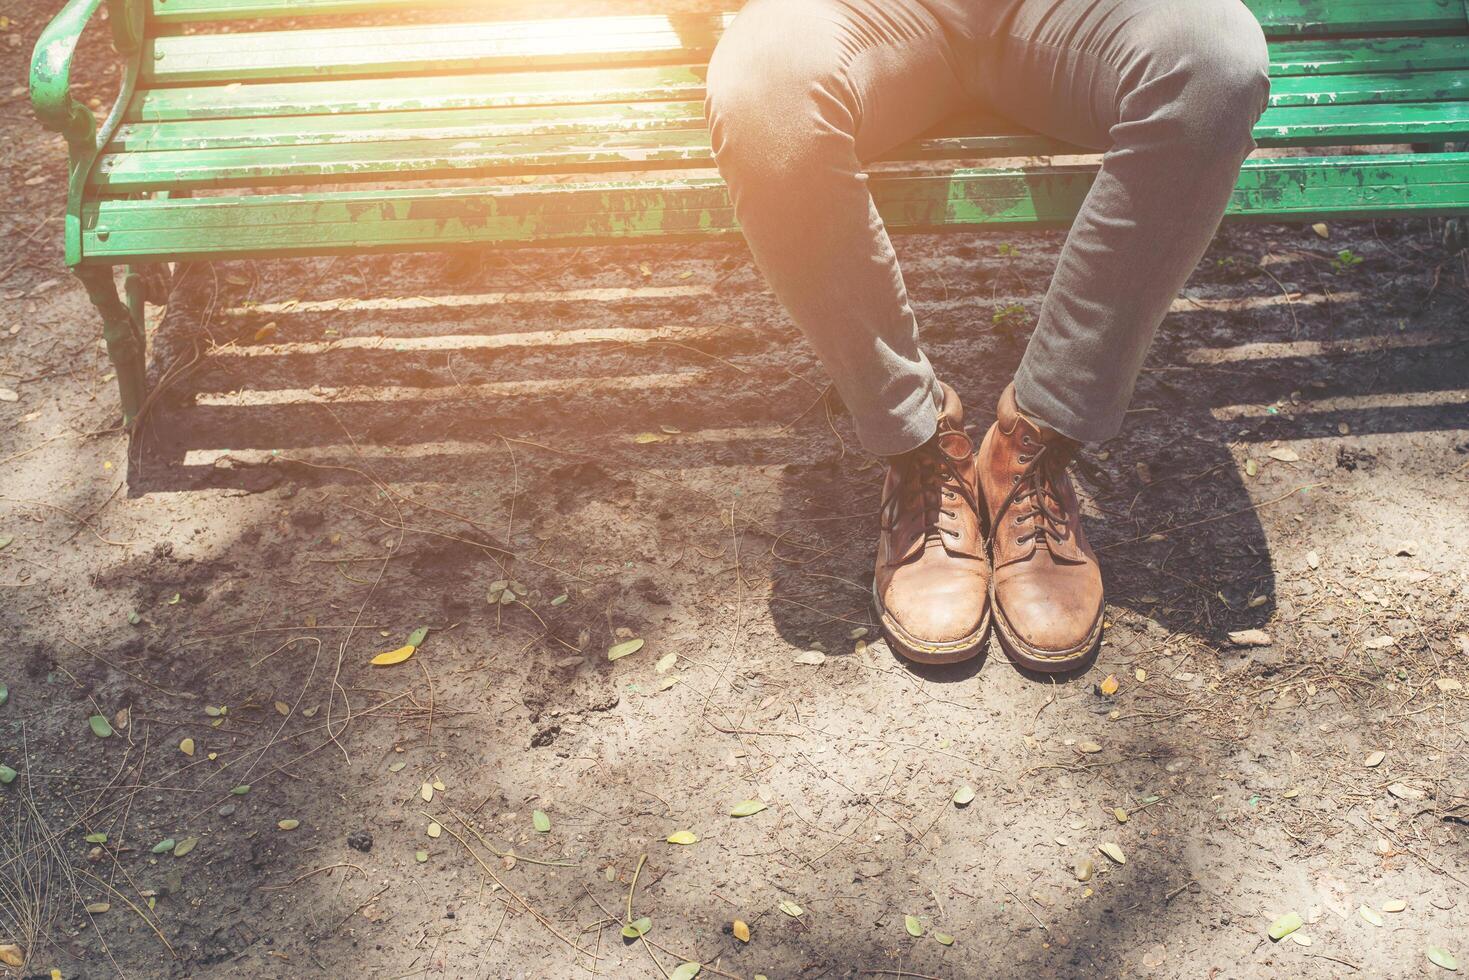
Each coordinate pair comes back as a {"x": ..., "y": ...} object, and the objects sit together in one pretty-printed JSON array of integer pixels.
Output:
[
  {"x": 1022, "y": 654},
  {"x": 927, "y": 652}
]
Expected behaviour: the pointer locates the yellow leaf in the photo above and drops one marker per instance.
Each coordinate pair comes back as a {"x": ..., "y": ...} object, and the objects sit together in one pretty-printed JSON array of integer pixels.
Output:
[
  {"x": 1110, "y": 685},
  {"x": 393, "y": 657},
  {"x": 741, "y": 930},
  {"x": 426, "y": 793},
  {"x": 282, "y": 708},
  {"x": 97, "y": 908},
  {"x": 288, "y": 824},
  {"x": 434, "y": 830},
  {"x": 11, "y": 955},
  {"x": 265, "y": 332},
  {"x": 187, "y": 746},
  {"x": 683, "y": 837}
]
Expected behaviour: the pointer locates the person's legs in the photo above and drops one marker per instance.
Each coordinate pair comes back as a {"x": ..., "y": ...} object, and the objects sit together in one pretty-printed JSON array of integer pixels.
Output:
[
  {"x": 1170, "y": 89},
  {"x": 800, "y": 93}
]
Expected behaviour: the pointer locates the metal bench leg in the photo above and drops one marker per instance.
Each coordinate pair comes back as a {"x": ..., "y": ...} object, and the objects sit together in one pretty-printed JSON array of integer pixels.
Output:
[{"x": 122, "y": 329}]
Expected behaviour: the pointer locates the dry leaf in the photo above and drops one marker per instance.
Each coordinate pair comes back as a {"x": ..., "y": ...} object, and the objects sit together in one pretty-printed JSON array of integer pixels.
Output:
[
  {"x": 747, "y": 808},
  {"x": 11, "y": 955},
  {"x": 665, "y": 663},
  {"x": 1090, "y": 748},
  {"x": 393, "y": 656},
  {"x": 1284, "y": 455},
  {"x": 625, "y": 648},
  {"x": 1109, "y": 685},
  {"x": 288, "y": 824},
  {"x": 97, "y": 908},
  {"x": 187, "y": 746},
  {"x": 741, "y": 930},
  {"x": 1250, "y": 638},
  {"x": 1369, "y": 914},
  {"x": 1374, "y": 760},
  {"x": 810, "y": 658},
  {"x": 790, "y": 908},
  {"x": 964, "y": 795},
  {"x": 434, "y": 830},
  {"x": 1113, "y": 851},
  {"x": 426, "y": 793},
  {"x": 1380, "y": 643},
  {"x": 1394, "y": 905}
]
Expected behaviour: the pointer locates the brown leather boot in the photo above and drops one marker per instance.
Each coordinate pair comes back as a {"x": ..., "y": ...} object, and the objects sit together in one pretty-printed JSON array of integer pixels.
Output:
[
  {"x": 1047, "y": 582},
  {"x": 932, "y": 581}
]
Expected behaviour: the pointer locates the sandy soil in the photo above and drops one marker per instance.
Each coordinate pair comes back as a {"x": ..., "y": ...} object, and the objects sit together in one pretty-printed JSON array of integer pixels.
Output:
[{"x": 640, "y": 442}]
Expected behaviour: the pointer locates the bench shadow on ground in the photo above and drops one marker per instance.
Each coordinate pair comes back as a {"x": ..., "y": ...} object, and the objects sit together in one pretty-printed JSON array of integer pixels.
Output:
[
  {"x": 618, "y": 402},
  {"x": 427, "y": 369}
]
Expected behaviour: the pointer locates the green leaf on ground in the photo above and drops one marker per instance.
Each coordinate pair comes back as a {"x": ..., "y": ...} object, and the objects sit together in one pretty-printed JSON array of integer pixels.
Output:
[
  {"x": 4, "y": 694},
  {"x": 943, "y": 939},
  {"x": 625, "y": 648},
  {"x": 685, "y": 971},
  {"x": 95, "y": 838},
  {"x": 746, "y": 808},
  {"x": 420, "y": 856},
  {"x": 416, "y": 638},
  {"x": 1441, "y": 957},
  {"x": 185, "y": 846},
  {"x": 790, "y": 908},
  {"x": 541, "y": 821},
  {"x": 163, "y": 846},
  {"x": 914, "y": 927},
  {"x": 101, "y": 727},
  {"x": 964, "y": 795},
  {"x": 637, "y": 927},
  {"x": 7, "y": 774},
  {"x": 241, "y": 789},
  {"x": 1284, "y": 926}
]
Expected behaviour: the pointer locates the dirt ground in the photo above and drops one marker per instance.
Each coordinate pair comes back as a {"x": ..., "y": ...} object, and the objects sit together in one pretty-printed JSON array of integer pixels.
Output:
[{"x": 539, "y": 456}]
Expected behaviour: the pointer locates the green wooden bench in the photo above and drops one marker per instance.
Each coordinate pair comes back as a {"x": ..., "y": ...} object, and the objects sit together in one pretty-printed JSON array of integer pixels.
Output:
[{"x": 239, "y": 135}]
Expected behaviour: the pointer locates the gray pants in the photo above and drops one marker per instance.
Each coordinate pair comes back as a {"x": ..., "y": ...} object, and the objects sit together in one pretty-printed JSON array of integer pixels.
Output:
[{"x": 801, "y": 92}]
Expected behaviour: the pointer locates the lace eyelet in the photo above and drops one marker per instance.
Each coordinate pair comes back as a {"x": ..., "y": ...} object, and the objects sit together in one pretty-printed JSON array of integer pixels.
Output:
[
  {"x": 1025, "y": 441},
  {"x": 1015, "y": 479},
  {"x": 1018, "y": 521}
]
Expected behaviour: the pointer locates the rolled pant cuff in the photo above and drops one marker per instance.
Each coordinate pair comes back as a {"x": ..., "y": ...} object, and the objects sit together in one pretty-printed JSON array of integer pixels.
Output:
[
  {"x": 1037, "y": 403},
  {"x": 906, "y": 427}
]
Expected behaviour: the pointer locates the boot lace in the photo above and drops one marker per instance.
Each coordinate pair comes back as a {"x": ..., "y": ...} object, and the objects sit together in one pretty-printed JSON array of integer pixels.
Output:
[
  {"x": 930, "y": 481},
  {"x": 1036, "y": 494}
]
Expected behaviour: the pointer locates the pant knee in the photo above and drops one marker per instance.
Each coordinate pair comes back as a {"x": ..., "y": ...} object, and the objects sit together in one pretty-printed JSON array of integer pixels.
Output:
[
  {"x": 1207, "y": 71},
  {"x": 776, "y": 107}
]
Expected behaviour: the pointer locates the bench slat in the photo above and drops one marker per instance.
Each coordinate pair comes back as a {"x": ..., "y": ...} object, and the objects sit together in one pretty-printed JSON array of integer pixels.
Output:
[
  {"x": 429, "y": 48},
  {"x": 642, "y": 135},
  {"x": 472, "y": 91},
  {"x": 1279, "y": 16},
  {"x": 1362, "y": 71},
  {"x": 406, "y": 49},
  {"x": 641, "y": 109},
  {"x": 1283, "y": 17},
  {"x": 397, "y": 220}
]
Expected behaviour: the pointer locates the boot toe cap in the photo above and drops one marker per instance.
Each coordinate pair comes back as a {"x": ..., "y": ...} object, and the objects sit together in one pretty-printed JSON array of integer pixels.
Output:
[
  {"x": 1048, "y": 620},
  {"x": 937, "y": 613}
]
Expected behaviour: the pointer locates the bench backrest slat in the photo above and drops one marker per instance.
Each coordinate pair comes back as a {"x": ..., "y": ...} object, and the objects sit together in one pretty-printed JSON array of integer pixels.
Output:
[{"x": 1279, "y": 17}]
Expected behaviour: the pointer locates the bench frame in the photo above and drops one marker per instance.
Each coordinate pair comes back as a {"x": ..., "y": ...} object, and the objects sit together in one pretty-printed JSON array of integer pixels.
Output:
[{"x": 591, "y": 212}]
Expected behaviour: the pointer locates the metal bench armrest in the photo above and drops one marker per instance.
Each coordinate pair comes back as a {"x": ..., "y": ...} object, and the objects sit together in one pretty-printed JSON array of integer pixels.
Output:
[
  {"x": 51, "y": 74},
  {"x": 52, "y": 101}
]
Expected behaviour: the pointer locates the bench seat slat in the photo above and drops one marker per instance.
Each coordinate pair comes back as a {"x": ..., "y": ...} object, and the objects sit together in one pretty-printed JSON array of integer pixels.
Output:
[
  {"x": 644, "y": 135},
  {"x": 404, "y": 120},
  {"x": 1292, "y": 16},
  {"x": 405, "y": 49},
  {"x": 396, "y": 220},
  {"x": 464, "y": 91},
  {"x": 394, "y": 51}
]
